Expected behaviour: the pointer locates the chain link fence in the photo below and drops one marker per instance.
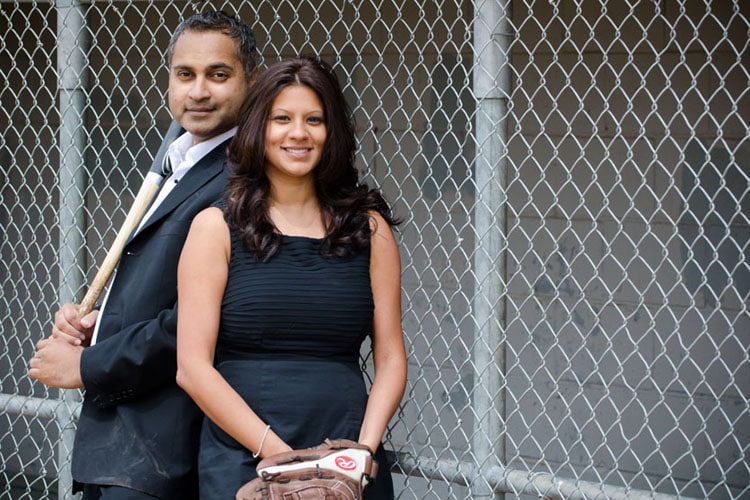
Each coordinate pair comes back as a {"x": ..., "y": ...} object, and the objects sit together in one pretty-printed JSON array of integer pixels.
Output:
[{"x": 575, "y": 182}]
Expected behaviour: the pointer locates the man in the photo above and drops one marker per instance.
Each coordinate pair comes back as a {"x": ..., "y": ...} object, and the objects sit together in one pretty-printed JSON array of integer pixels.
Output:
[{"x": 138, "y": 433}]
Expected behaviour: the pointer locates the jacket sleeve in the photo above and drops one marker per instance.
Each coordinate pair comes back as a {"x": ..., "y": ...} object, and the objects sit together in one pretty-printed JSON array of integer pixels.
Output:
[
  {"x": 137, "y": 360},
  {"x": 135, "y": 354}
]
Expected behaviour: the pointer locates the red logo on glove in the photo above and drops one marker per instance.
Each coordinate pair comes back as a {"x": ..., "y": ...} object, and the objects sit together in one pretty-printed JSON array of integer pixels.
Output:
[{"x": 346, "y": 463}]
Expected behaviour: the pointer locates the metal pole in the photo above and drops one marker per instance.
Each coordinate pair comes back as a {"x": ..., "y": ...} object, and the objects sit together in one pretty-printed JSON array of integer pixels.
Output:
[
  {"x": 520, "y": 482},
  {"x": 492, "y": 84},
  {"x": 72, "y": 46}
]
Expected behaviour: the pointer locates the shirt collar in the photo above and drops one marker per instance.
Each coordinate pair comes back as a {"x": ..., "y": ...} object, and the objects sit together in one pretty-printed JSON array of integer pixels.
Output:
[{"x": 183, "y": 154}]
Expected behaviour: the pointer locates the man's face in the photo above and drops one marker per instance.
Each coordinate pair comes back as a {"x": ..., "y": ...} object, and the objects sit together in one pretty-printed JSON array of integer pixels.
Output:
[{"x": 207, "y": 83}]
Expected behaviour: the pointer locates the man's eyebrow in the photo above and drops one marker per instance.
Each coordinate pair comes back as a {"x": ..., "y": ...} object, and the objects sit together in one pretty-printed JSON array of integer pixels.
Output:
[
  {"x": 221, "y": 65},
  {"x": 211, "y": 67}
]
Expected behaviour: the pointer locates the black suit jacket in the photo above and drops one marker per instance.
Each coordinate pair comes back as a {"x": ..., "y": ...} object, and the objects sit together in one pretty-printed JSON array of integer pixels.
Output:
[{"x": 137, "y": 427}]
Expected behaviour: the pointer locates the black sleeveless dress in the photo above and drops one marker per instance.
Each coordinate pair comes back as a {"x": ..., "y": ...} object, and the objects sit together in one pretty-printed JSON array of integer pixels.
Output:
[{"x": 289, "y": 341}]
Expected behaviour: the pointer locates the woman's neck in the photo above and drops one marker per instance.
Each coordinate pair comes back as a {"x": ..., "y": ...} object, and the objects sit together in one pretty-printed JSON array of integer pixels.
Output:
[{"x": 296, "y": 212}]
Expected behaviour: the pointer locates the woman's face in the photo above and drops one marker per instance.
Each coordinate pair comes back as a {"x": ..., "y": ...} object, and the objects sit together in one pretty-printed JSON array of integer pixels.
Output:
[{"x": 295, "y": 133}]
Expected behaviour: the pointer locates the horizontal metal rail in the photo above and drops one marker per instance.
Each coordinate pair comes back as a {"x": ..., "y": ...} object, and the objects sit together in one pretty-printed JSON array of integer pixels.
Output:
[
  {"x": 36, "y": 407},
  {"x": 507, "y": 480},
  {"x": 501, "y": 479}
]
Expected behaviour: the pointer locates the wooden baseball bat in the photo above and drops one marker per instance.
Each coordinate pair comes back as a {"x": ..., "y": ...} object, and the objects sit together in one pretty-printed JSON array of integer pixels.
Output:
[{"x": 142, "y": 200}]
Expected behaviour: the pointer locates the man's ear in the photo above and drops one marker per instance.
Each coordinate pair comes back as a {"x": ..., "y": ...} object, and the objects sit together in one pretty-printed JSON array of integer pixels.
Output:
[{"x": 252, "y": 77}]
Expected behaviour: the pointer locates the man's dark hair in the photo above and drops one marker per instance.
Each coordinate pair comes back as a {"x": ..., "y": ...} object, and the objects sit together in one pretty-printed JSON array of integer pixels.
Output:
[{"x": 232, "y": 26}]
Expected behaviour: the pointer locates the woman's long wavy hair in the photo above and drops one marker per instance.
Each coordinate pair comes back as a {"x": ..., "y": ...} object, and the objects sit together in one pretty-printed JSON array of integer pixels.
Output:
[{"x": 345, "y": 202}]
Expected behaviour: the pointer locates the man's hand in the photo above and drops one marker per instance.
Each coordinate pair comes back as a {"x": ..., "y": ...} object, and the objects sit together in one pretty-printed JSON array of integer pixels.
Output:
[
  {"x": 57, "y": 363},
  {"x": 72, "y": 328}
]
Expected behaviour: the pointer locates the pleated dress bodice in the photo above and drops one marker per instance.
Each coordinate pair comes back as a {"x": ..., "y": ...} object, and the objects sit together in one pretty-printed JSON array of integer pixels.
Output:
[{"x": 289, "y": 340}]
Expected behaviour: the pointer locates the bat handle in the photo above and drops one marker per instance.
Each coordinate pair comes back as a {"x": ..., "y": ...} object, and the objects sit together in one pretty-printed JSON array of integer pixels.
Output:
[{"x": 142, "y": 200}]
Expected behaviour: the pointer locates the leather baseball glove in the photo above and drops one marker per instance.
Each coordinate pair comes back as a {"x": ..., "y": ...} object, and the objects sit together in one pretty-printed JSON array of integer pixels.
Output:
[{"x": 336, "y": 469}]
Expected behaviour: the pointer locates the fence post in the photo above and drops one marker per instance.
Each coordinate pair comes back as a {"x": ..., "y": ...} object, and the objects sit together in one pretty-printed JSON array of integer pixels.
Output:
[
  {"x": 491, "y": 80},
  {"x": 72, "y": 47}
]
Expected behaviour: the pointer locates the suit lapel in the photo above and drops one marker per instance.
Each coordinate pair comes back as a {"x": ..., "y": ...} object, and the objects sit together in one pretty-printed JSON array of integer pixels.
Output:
[{"x": 199, "y": 175}]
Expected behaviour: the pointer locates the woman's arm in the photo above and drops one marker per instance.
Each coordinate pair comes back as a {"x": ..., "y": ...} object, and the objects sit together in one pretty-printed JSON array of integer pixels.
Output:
[
  {"x": 389, "y": 353},
  {"x": 201, "y": 280}
]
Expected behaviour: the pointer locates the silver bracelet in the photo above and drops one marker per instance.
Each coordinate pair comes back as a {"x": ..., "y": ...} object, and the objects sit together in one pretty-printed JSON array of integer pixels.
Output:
[{"x": 262, "y": 440}]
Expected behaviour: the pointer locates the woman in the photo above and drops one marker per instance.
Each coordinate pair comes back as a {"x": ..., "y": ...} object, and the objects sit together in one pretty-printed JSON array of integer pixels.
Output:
[{"x": 279, "y": 286}]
